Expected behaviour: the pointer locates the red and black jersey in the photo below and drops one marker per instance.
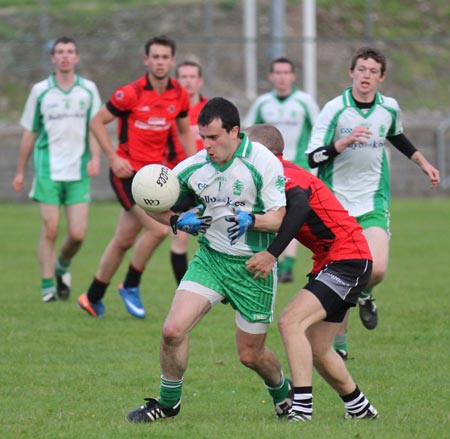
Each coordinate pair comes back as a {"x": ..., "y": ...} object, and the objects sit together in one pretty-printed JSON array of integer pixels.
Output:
[
  {"x": 175, "y": 152},
  {"x": 145, "y": 119},
  {"x": 316, "y": 218}
]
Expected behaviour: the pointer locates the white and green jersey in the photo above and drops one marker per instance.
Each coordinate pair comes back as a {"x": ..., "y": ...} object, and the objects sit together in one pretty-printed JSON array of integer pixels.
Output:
[
  {"x": 252, "y": 180},
  {"x": 60, "y": 120},
  {"x": 359, "y": 175},
  {"x": 294, "y": 116}
]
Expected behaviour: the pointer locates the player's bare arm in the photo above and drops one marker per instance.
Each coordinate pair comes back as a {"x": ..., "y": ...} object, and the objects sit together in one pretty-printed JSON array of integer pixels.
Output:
[
  {"x": 26, "y": 147},
  {"x": 403, "y": 144},
  {"x": 270, "y": 221},
  {"x": 93, "y": 166},
  {"x": 121, "y": 167},
  {"x": 427, "y": 168}
]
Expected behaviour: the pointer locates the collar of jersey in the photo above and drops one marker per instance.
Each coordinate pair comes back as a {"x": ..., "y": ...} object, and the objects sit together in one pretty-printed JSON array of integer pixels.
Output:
[
  {"x": 148, "y": 84},
  {"x": 284, "y": 98},
  {"x": 52, "y": 82},
  {"x": 243, "y": 150},
  {"x": 350, "y": 102}
]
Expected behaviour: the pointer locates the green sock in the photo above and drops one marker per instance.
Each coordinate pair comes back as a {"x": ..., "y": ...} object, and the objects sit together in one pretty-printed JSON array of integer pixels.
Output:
[
  {"x": 341, "y": 342},
  {"x": 364, "y": 294},
  {"x": 48, "y": 286},
  {"x": 170, "y": 391},
  {"x": 279, "y": 392},
  {"x": 287, "y": 264},
  {"x": 62, "y": 267}
]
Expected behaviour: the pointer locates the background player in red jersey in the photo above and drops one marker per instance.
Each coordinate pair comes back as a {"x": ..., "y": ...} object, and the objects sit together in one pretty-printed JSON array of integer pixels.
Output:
[
  {"x": 341, "y": 269},
  {"x": 146, "y": 110},
  {"x": 189, "y": 74}
]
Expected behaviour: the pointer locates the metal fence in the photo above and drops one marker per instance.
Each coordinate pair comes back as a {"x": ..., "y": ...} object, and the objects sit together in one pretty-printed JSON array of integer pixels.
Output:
[{"x": 112, "y": 52}]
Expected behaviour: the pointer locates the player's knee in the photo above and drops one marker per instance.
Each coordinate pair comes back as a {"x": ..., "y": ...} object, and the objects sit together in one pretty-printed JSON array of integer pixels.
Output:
[
  {"x": 124, "y": 242},
  {"x": 50, "y": 228},
  {"x": 249, "y": 357},
  {"x": 156, "y": 231},
  {"x": 378, "y": 274},
  {"x": 161, "y": 233},
  {"x": 172, "y": 333},
  {"x": 50, "y": 231},
  {"x": 77, "y": 235},
  {"x": 285, "y": 326}
]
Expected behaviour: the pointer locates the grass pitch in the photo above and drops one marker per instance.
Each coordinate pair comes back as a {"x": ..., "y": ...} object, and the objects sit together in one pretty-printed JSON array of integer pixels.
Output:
[{"x": 66, "y": 375}]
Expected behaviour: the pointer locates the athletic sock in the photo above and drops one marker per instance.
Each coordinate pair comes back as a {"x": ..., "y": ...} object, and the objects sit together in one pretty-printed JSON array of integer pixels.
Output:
[
  {"x": 356, "y": 403},
  {"x": 48, "y": 286},
  {"x": 96, "y": 290},
  {"x": 365, "y": 294},
  {"x": 179, "y": 265},
  {"x": 302, "y": 402},
  {"x": 281, "y": 391},
  {"x": 341, "y": 342},
  {"x": 61, "y": 267},
  {"x": 170, "y": 391},
  {"x": 133, "y": 277},
  {"x": 287, "y": 264}
]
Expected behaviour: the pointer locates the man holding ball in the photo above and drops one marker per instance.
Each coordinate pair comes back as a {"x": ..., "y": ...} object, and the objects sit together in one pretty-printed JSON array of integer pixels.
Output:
[{"x": 240, "y": 186}]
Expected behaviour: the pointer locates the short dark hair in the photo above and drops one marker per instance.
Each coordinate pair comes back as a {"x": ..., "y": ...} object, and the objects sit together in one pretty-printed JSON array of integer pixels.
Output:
[
  {"x": 63, "y": 40},
  {"x": 283, "y": 60},
  {"x": 220, "y": 108},
  {"x": 162, "y": 40},
  {"x": 189, "y": 63},
  {"x": 367, "y": 52}
]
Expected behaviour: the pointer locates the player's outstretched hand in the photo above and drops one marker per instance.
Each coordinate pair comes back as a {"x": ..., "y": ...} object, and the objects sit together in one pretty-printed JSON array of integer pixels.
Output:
[
  {"x": 243, "y": 221},
  {"x": 190, "y": 223}
]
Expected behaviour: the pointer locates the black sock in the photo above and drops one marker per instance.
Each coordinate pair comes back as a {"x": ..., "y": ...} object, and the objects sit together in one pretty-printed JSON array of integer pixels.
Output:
[
  {"x": 96, "y": 290},
  {"x": 179, "y": 265},
  {"x": 133, "y": 277}
]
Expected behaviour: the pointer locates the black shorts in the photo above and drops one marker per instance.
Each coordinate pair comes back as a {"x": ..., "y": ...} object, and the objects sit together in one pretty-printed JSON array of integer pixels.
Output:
[
  {"x": 338, "y": 286},
  {"x": 122, "y": 189}
]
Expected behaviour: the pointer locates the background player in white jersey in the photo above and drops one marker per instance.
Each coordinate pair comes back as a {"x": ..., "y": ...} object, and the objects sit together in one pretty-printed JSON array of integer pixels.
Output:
[
  {"x": 240, "y": 188},
  {"x": 293, "y": 112},
  {"x": 347, "y": 144},
  {"x": 65, "y": 155}
]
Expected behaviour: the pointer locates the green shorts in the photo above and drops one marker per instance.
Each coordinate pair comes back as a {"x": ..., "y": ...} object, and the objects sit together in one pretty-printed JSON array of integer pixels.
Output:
[
  {"x": 228, "y": 276},
  {"x": 376, "y": 218},
  {"x": 48, "y": 191}
]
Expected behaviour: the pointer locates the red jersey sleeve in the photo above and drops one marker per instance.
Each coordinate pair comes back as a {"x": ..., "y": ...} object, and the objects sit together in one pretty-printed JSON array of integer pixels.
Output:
[{"x": 122, "y": 100}]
